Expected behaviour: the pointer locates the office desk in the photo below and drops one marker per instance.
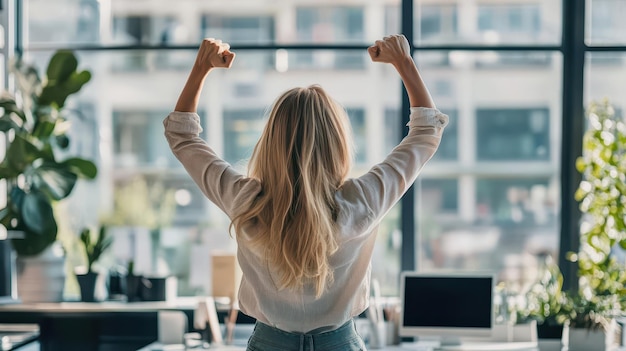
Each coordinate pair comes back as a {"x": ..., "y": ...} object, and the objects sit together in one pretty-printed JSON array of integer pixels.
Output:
[
  {"x": 103, "y": 326},
  {"x": 549, "y": 346}
]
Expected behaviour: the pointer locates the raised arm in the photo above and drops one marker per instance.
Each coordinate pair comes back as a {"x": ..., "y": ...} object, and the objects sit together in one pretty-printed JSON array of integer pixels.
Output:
[
  {"x": 215, "y": 177},
  {"x": 387, "y": 181},
  {"x": 211, "y": 54},
  {"x": 395, "y": 49}
]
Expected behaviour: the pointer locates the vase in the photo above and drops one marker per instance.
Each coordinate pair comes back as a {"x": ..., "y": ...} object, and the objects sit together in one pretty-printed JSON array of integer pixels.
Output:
[
  {"x": 41, "y": 278},
  {"x": 87, "y": 284}
]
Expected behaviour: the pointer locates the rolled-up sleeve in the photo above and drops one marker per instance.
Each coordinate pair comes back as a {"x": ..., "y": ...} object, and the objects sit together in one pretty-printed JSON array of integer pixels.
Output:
[
  {"x": 387, "y": 181},
  {"x": 215, "y": 177}
]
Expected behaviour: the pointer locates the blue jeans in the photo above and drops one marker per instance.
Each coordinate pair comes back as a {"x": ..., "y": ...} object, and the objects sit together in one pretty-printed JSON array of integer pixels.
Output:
[{"x": 267, "y": 338}]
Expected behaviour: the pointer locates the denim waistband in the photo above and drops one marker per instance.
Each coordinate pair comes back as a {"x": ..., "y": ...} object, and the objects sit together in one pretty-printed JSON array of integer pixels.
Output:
[{"x": 266, "y": 337}]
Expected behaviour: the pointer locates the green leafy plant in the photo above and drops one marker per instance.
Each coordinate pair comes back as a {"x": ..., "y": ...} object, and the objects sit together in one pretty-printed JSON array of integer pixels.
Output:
[
  {"x": 94, "y": 248},
  {"x": 545, "y": 298},
  {"x": 602, "y": 198},
  {"x": 35, "y": 124}
]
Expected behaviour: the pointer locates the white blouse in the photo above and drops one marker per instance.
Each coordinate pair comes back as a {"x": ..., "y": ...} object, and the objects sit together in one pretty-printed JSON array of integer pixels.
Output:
[{"x": 362, "y": 202}]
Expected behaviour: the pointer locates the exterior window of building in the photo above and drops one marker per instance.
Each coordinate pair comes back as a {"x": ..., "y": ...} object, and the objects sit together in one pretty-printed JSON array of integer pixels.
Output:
[
  {"x": 438, "y": 207},
  {"x": 442, "y": 195},
  {"x": 606, "y": 25},
  {"x": 242, "y": 129},
  {"x": 243, "y": 30},
  {"x": 526, "y": 202},
  {"x": 392, "y": 129},
  {"x": 69, "y": 22},
  {"x": 149, "y": 30},
  {"x": 509, "y": 22},
  {"x": 601, "y": 66},
  {"x": 392, "y": 19},
  {"x": 437, "y": 23},
  {"x": 336, "y": 24},
  {"x": 513, "y": 217},
  {"x": 513, "y": 134},
  {"x": 357, "y": 122},
  {"x": 138, "y": 140},
  {"x": 239, "y": 29}
]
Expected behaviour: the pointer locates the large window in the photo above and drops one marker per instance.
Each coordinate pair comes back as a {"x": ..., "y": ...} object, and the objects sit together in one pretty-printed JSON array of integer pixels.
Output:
[
  {"x": 336, "y": 24},
  {"x": 513, "y": 134},
  {"x": 490, "y": 196},
  {"x": 437, "y": 22}
]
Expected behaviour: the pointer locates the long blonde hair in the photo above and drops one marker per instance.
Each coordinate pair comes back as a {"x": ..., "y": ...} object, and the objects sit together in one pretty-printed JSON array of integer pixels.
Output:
[{"x": 302, "y": 158}]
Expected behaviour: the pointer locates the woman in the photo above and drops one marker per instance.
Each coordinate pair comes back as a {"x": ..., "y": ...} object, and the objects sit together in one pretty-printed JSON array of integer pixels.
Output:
[{"x": 305, "y": 232}]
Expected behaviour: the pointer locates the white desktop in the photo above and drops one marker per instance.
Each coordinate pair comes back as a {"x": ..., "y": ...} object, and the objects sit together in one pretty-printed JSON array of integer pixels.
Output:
[{"x": 455, "y": 310}]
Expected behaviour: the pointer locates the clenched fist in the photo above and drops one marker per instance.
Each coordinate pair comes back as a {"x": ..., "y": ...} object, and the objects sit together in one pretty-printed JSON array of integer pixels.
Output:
[
  {"x": 391, "y": 49},
  {"x": 213, "y": 53}
]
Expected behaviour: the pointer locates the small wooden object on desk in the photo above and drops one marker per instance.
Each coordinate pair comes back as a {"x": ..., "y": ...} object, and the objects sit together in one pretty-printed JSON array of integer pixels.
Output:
[{"x": 225, "y": 283}]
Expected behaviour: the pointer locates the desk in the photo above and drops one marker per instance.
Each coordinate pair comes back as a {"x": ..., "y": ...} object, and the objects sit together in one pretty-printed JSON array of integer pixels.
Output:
[
  {"x": 545, "y": 346},
  {"x": 102, "y": 326},
  {"x": 14, "y": 336}
]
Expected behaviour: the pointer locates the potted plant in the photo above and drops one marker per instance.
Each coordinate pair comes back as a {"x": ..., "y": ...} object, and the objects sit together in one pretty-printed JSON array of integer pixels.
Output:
[
  {"x": 544, "y": 300},
  {"x": 140, "y": 207},
  {"x": 93, "y": 252},
  {"x": 601, "y": 295},
  {"x": 35, "y": 167}
]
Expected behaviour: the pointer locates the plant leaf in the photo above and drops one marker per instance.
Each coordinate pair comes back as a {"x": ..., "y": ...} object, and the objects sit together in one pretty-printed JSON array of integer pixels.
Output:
[
  {"x": 82, "y": 167},
  {"x": 21, "y": 154},
  {"x": 9, "y": 106},
  {"x": 43, "y": 129},
  {"x": 37, "y": 215},
  {"x": 54, "y": 179},
  {"x": 62, "y": 64}
]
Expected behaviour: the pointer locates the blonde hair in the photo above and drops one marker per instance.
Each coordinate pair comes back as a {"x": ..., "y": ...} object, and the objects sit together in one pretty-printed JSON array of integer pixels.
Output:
[{"x": 302, "y": 158}]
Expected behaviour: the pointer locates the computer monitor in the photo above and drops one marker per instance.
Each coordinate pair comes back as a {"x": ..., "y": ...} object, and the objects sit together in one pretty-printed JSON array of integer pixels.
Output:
[{"x": 450, "y": 307}]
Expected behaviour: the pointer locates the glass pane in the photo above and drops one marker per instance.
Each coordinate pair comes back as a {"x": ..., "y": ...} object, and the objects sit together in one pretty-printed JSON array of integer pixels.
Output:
[
  {"x": 489, "y": 23},
  {"x": 603, "y": 79},
  {"x": 63, "y": 22},
  {"x": 513, "y": 134},
  {"x": 605, "y": 22},
  {"x": 330, "y": 24},
  {"x": 123, "y": 109},
  {"x": 250, "y": 22},
  {"x": 489, "y": 198}
]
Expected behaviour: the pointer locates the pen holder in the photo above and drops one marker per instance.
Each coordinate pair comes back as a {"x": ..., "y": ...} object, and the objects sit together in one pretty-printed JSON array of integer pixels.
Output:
[{"x": 378, "y": 335}]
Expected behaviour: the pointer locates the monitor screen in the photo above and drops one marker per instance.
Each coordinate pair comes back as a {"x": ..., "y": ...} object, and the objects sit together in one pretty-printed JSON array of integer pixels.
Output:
[{"x": 447, "y": 305}]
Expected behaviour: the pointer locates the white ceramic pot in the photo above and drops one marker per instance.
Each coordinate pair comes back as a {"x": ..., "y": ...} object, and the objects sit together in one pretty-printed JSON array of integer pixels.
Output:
[
  {"x": 41, "y": 278},
  {"x": 582, "y": 339}
]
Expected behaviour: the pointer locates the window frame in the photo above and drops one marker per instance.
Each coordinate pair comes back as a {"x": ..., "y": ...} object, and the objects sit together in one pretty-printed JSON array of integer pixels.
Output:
[{"x": 572, "y": 48}]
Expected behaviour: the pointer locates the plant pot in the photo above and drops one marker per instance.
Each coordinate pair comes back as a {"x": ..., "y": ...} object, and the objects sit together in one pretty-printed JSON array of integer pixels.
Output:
[
  {"x": 41, "y": 278},
  {"x": 583, "y": 339},
  {"x": 87, "y": 284},
  {"x": 550, "y": 335},
  {"x": 134, "y": 284},
  {"x": 159, "y": 288},
  {"x": 550, "y": 330}
]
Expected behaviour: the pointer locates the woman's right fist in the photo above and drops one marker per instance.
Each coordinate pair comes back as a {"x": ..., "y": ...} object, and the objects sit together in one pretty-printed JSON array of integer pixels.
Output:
[
  {"x": 390, "y": 49},
  {"x": 214, "y": 53}
]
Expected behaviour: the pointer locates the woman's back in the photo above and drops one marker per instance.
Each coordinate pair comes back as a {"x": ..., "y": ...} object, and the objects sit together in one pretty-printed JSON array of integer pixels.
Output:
[
  {"x": 305, "y": 233},
  {"x": 302, "y": 158}
]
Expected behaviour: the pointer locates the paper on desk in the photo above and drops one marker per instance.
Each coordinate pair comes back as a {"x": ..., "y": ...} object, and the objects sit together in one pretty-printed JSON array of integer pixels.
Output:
[{"x": 206, "y": 314}]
